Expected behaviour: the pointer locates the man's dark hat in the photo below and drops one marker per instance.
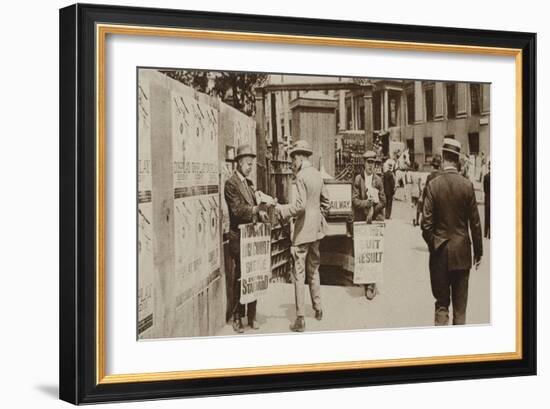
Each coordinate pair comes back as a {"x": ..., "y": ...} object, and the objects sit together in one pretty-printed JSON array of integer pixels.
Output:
[{"x": 244, "y": 150}]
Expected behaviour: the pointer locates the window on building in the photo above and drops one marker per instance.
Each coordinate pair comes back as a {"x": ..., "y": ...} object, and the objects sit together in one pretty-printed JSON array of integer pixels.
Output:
[
  {"x": 428, "y": 149},
  {"x": 451, "y": 101},
  {"x": 410, "y": 147},
  {"x": 475, "y": 98},
  {"x": 393, "y": 108},
  {"x": 349, "y": 116},
  {"x": 361, "y": 114},
  {"x": 429, "y": 101},
  {"x": 376, "y": 111},
  {"x": 473, "y": 143},
  {"x": 410, "y": 107}
]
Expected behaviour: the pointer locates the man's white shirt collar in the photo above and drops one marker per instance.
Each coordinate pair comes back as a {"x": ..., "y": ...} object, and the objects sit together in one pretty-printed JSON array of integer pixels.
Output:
[
  {"x": 243, "y": 179},
  {"x": 368, "y": 180}
]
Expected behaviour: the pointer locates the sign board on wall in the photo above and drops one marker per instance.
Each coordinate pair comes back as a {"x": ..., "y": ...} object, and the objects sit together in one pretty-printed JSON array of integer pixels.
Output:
[
  {"x": 145, "y": 213},
  {"x": 196, "y": 192}
]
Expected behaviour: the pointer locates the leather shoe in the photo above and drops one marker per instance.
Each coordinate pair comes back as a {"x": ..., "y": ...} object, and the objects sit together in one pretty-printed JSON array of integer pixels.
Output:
[
  {"x": 441, "y": 316},
  {"x": 318, "y": 315},
  {"x": 238, "y": 326},
  {"x": 370, "y": 291},
  {"x": 253, "y": 324},
  {"x": 299, "y": 325}
]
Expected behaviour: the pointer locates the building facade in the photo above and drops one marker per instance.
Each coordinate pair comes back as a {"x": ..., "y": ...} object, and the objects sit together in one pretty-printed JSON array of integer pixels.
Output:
[
  {"x": 420, "y": 114},
  {"x": 416, "y": 115}
]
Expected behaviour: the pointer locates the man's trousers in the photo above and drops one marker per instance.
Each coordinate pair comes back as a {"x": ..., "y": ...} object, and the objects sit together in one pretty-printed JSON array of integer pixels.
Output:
[
  {"x": 306, "y": 263},
  {"x": 240, "y": 309},
  {"x": 389, "y": 204},
  {"x": 448, "y": 286}
]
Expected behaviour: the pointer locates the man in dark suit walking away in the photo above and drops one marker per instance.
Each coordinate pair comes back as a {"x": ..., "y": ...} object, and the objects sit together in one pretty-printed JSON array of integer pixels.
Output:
[
  {"x": 487, "y": 191},
  {"x": 243, "y": 209},
  {"x": 389, "y": 188},
  {"x": 450, "y": 214}
]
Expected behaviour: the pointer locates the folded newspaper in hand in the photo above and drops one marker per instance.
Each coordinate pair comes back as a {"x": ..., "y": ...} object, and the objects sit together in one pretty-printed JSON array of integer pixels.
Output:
[
  {"x": 262, "y": 198},
  {"x": 372, "y": 194}
]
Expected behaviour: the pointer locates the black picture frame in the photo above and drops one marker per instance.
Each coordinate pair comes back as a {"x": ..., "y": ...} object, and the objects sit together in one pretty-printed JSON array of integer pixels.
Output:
[{"x": 78, "y": 197}]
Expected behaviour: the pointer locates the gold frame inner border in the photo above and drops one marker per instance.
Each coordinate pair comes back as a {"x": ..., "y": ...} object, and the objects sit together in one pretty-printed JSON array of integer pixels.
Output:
[{"x": 102, "y": 30}]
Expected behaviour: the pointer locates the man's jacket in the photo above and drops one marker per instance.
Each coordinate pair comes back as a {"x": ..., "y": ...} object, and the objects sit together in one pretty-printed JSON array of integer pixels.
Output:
[
  {"x": 450, "y": 213},
  {"x": 310, "y": 224}
]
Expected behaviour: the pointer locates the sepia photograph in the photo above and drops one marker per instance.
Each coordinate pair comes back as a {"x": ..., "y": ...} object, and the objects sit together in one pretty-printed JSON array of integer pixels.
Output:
[{"x": 281, "y": 203}]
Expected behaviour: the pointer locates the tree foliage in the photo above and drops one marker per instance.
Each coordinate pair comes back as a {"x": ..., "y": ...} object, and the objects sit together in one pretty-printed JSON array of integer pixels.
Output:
[{"x": 234, "y": 88}]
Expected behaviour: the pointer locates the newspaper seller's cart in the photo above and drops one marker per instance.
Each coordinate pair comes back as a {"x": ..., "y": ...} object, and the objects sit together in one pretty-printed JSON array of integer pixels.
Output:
[{"x": 337, "y": 247}]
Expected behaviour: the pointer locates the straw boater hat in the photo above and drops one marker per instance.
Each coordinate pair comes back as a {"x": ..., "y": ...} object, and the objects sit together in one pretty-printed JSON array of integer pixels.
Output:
[
  {"x": 452, "y": 146},
  {"x": 244, "y": 150},
  {"x": 369, "y": 155},
  {"x": 301, "y": 147}
]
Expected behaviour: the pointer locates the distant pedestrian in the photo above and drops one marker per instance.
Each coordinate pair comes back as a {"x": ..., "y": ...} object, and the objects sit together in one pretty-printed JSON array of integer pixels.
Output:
[
  {"x": 487, "y": 191},
  {"x": 378, "y": 167},
  {"x": 436, "y": 171},
  {"x": 483, "y": 167},
  {"x": 389, "y": 188},
  {"x": 450, "y": 215},
  {"x": 422, "y": 188},
  {"x": 416, "y": 193}
]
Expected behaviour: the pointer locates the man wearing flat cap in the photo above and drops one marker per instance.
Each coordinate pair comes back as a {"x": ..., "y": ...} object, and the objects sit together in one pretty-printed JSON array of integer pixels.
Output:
[
  {"x": 241, "y": 201},
  {"x": 450, "y": 215},
  {"x": 368, "y": 196},
  {"x": 369, "y": 201},
  {"x": 310, "y": 227}
]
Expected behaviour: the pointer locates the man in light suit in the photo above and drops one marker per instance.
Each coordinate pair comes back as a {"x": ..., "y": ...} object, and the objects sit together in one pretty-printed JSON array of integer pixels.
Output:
[
  {"x": 243, "y": 209},
  {"x": 369, "y": 201},
  {"x": 450, "y": 214},
  {"x": 309, "y": 228}
]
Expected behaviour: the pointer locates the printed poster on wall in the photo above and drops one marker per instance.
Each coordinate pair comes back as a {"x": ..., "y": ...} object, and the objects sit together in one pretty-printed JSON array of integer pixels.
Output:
[
  {"x": 196, "y": 193},
  {"x": 368, "y": 246},
  {"x": 145, "y": 213},
  {"x": 255, "y": 260}
]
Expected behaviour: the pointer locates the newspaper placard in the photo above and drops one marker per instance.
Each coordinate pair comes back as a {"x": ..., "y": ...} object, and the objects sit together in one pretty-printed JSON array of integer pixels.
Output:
[
  {"x": 368, "y": 245},
  {"x": 255, "y": 260}
]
